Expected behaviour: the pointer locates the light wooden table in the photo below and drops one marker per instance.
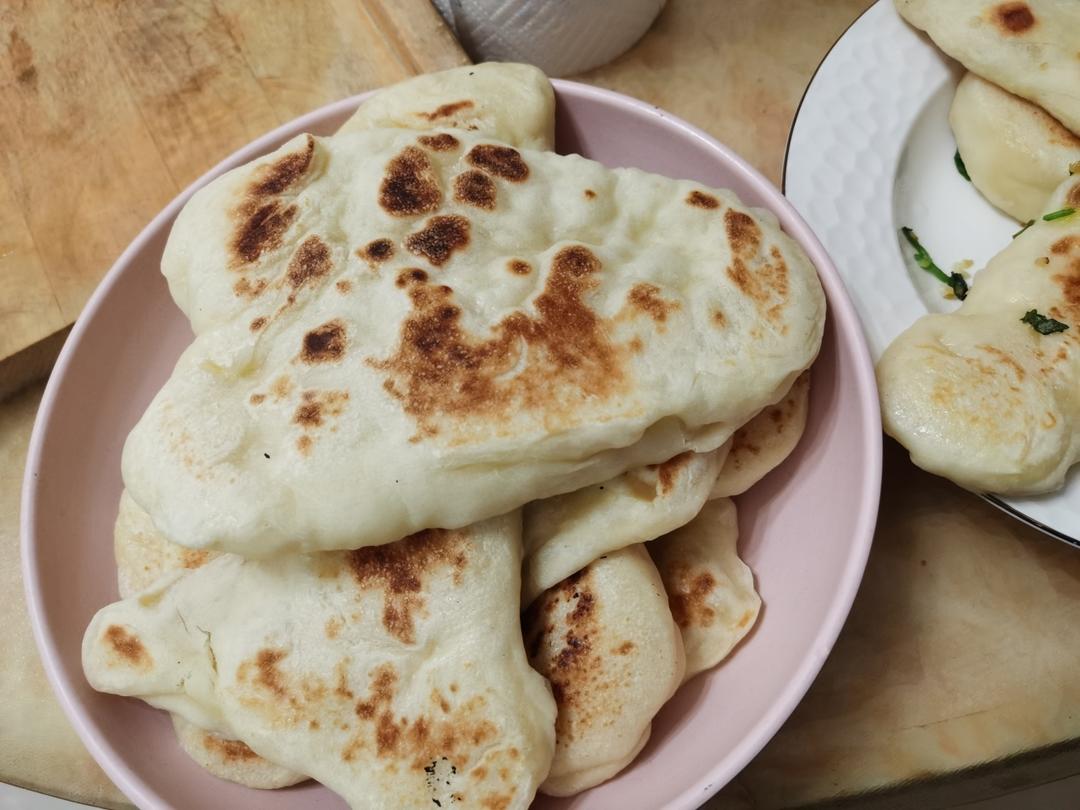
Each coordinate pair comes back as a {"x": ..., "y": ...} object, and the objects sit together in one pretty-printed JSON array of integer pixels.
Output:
[{"x": 955, "y": 677}]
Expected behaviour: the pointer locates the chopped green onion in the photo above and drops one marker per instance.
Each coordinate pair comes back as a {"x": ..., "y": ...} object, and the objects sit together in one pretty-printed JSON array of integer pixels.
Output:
[
  {"x": 960, "y": 167},
  {"x": 1064, "y": 212},
  {"x": 1042, "y": 324},
  {"x": 956, "y": 281},
  {"x": 1027, "y": 225}
]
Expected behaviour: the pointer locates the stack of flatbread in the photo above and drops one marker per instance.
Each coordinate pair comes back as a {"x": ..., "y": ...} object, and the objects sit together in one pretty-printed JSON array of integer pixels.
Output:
[
  {"x": 989, "y": 395},
  {"x": 436, "y": 508}
]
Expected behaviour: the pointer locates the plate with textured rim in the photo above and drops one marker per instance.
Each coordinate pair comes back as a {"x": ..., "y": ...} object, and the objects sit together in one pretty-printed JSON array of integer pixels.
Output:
[{"x": 870, "y": 151}]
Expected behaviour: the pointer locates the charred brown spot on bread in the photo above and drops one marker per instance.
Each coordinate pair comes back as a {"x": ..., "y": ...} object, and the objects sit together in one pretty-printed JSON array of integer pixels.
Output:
[
  {"x": 246, "y": 288},
  {"x": 410, "y": 186},
  {"x": 475, "y": 188},
  {"x": 400, "y": 570},
  {"x": 570, "y": 661},
  {"x": 333, "y": 629},
  {"x": 719, "y": 319},
  {"x": 421, "y": 742},
  {"x": 376, "y": 251},
  {"x": 257, "y": 324},
  {"x": 310, "y": 262},
  {"x": 1070, "y": 288},
  {"x": 763, "y": 280},
  {"x": 262, "y": 229},
  {"x": 584, "y": 607},
  {"x": 448, "y": 109},
  {"x": 501, "y": 161},
  {"x": 646, "y": 299},
  {"x": 625, "y": 648},
  {"x": 380, "y": 691},
  {"x": 1055, "y": 131},
  {"x": 128, "y": 647},
  {"x": 308, "y": 414},
  {"x": 440, "y": 237},
  {"x": 439, "y": 370},
  {"x": 1005, "y": 359},
  {"x": 1069, "y": 281},
  {"x": 267, "y": 674},
  {"x": 742, "y": 443},
  {"x": 699, "y": 199},
  {"x": 343, "y": 286},
  {"x": 440, "y": 701},
  {"x": 257, "y": 399},
  {"x": 410, "y": 275},
  {"x": 519, "y": 267},
  {"x": 303, "y": 444},
  {"x": 441, "y": 142},
  {"x": 688, "y": 597},
  {"x": 316, "y": 406},
  {"x": 228, "y": 750},
  {"x": 194, "y": 558},
  {"x": 277, "y": 177},
  {"x": 668, "y": 472},
  {"x": 1014, "y": 18},
  {"x": 262, "y": 218},
  {"x": 1065, "y": 245},
  {"x": 281, "y": 387},
  {"x": 1073, "y": 197},
  {"x": 743, "y": 233},
  {"x": 324, "y": 344},
  {"x": 590, "y": 194}
]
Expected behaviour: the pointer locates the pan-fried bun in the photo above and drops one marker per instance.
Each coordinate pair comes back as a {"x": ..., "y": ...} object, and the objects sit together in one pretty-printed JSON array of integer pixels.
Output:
[
  {"x": 710, "y": 590},
  {"x": 509, "y": 102},
  {"x": 394, "y": 675},
  {"x": 1015, "y": 152},
  {"x": 980, "y": 395},
  {"x": 606, "y": 641},
  {"x": 373, "y": 356}
]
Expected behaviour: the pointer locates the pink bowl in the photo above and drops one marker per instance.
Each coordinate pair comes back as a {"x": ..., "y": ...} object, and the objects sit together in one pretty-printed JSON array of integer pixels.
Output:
[{"x": 806, "y": 529}]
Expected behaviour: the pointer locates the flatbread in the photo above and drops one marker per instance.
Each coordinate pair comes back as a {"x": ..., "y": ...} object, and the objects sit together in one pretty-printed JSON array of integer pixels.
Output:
[
  {"x": 565, "y": 533},
  {"x": 1028, "y": 47},
  {"x": 982, "y": 398},
  {"x": 1014, "y": 151},
  {"x": 343, "y": 390},
  {"x": 710, "y": 590},
  {"x": 396, "y": 675},
  {"x": 762, "y": 444},
  {"x": 144, "y": 557},
  {"x": 606, "y": 641},
  {"x": 510, "y": 102}
]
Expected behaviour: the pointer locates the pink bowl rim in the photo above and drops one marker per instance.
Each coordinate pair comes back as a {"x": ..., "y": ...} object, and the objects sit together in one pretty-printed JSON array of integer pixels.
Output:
[{"x": 841, "y": 309}]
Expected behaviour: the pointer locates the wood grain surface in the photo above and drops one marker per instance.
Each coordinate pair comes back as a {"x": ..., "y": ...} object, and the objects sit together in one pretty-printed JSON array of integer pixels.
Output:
[{"x": 111, "y": 107}]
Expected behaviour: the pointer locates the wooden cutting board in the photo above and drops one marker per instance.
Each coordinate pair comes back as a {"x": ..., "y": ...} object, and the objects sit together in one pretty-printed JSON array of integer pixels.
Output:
[{"x": 109, "y": 108}]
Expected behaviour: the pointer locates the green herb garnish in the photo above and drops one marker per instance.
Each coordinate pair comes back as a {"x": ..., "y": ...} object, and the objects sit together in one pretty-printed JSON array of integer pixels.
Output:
[
  {"x": 1027, "y": 225},
  {"x": 1042, "y": 324},
  {"x": 922, "y": 258},
  {"x": 1064, "y": 212},
  {"x": 960, "y": 167}
]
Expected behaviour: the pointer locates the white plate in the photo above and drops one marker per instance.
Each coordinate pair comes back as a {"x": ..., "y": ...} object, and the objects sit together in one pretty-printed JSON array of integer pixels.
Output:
[{"x": 871, "y": 151}]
